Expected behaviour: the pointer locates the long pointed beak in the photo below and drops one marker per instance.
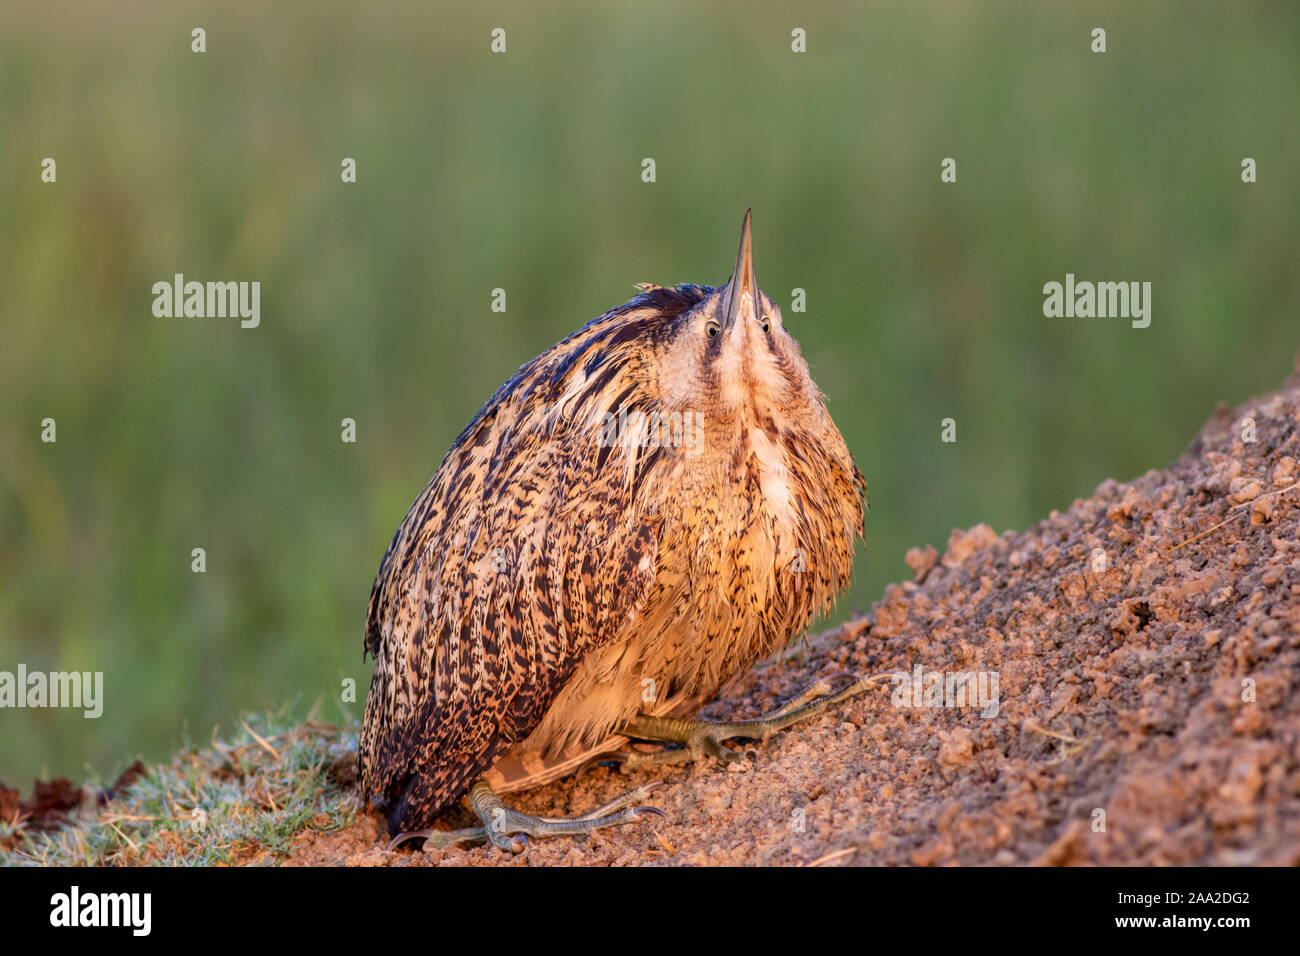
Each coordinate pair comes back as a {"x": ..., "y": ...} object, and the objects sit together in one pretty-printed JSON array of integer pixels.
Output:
[{"x": 742, "y": 279}]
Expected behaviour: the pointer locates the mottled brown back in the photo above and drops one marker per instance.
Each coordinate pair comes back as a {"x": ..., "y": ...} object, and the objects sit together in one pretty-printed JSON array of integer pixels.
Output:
[{"x": 519, "y": 558}]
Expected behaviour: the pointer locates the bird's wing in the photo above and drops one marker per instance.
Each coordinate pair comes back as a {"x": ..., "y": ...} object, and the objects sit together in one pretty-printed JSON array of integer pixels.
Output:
[{"x": 521, "y": 556}]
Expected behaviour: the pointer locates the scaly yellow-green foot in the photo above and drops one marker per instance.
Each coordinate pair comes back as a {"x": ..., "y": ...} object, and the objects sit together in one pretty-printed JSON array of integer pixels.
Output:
[
  {"x": 509, "y": 829},
  {"x": 705, "y": 738}
]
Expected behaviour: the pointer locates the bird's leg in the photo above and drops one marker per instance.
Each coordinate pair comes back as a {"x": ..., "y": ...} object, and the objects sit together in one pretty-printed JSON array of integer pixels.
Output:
[
  {"x": 704, "y": 738},
  {"x": 509, "y": 829}
]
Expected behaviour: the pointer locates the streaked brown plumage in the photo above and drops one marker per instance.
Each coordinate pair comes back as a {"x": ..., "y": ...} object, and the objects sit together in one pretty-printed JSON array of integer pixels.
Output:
[{"x": 548, "y": 576}]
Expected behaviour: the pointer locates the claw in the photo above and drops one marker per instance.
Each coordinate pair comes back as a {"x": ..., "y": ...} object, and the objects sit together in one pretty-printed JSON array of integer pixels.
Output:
[
  {"x": 838, "y": 674},
  {"x": 880, "y": 675},
  {"x": 440, "y": 839},
  {"x": 507, "y": 841},
  {"x": 614, "y": 756},
  {"x": 401, "y": 838}
]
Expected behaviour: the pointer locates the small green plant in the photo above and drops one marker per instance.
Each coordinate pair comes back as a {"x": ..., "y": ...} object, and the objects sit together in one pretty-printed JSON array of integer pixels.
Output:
[{"x": 237, "y": 802}]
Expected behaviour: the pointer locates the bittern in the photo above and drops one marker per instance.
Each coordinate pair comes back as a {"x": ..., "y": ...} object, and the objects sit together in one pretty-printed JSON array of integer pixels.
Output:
[{"x": 635, "y": 518}]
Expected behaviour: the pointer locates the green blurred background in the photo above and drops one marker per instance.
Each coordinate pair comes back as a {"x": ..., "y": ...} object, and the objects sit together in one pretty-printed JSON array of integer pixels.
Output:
[{"x": 523, "y": 171}]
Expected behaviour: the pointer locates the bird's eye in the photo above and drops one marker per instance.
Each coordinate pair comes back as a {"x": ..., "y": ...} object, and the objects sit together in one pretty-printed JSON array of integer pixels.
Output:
[
  {"x": 767, "y": 324},
  {"x": 712, "y": 330}
]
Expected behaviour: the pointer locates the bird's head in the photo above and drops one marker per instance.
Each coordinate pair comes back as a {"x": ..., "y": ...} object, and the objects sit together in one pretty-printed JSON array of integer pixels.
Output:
[
  {"x": 716, "y": 365},
  {"x": 730, "y": 354}
]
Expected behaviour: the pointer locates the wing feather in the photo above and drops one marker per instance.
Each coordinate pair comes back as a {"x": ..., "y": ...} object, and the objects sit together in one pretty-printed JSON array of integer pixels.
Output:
[{"x": 518, "y": 559}]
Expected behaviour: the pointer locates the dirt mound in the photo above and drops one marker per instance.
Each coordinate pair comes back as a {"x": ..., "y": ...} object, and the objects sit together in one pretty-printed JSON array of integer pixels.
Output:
[{"x": 1139, "y": 657}]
